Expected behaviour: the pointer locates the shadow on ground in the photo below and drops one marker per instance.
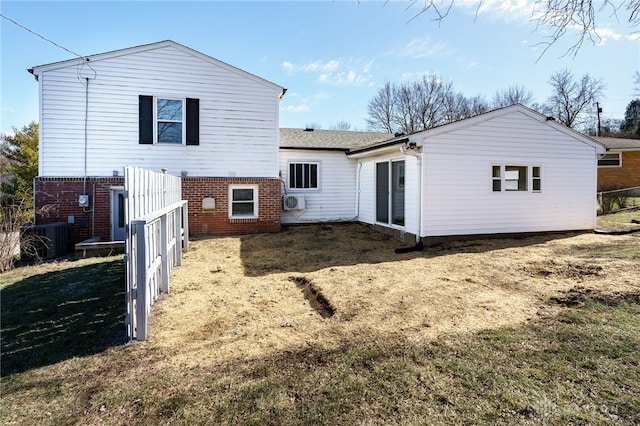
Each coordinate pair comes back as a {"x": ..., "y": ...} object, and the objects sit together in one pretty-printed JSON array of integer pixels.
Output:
[
  {"x": 58, "y": 315},
  {"x": 309, "y": 248}
]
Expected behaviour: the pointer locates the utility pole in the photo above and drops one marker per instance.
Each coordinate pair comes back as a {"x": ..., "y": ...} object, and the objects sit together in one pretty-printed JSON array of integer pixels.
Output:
[{"x": 599, "y": 132}]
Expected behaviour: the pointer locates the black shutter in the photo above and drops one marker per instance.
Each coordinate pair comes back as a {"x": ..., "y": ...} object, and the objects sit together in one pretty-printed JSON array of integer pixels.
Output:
[
  {"x": 193, "y": 121},
  {"x": 145, "y": 114}
]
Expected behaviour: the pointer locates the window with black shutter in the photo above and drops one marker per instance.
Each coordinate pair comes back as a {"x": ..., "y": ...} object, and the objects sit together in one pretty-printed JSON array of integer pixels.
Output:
[{"x": 165, "y": 120}]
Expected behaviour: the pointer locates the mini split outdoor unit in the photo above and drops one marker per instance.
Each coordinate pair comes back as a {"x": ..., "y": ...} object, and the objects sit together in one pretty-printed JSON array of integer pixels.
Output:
[{"x": 293, "y": 202}]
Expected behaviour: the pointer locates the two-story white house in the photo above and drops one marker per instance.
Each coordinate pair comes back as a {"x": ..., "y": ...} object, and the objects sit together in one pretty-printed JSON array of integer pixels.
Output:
[{"x": 157, "y": 106}]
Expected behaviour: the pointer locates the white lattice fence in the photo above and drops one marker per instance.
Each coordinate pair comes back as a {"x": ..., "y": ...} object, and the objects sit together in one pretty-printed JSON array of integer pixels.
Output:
[{"x": 157, "y": 234}]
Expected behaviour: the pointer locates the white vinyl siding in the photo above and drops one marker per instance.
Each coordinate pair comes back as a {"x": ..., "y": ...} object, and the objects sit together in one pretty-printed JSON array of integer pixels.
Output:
[
  {"x": 335, "y": 198},
  {"x": 459, "y": 200},
  {"x": 238, "y": 117}
]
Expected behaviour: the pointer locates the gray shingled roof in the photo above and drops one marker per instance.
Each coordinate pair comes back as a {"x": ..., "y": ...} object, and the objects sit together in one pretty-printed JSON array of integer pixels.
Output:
[
  {"x": 328, "y": 139},
  {"x": 619, "y": 143}
]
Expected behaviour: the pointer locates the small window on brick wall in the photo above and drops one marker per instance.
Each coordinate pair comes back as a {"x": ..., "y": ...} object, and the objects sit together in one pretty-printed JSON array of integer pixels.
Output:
[
  {"x": 243, "y": 201},
  {"x": 611, "y": 159}
]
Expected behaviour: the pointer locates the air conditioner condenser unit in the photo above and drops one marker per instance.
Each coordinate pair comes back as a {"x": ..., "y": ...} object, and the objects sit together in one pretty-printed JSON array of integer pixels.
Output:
[{"x": 293, "y": 202}]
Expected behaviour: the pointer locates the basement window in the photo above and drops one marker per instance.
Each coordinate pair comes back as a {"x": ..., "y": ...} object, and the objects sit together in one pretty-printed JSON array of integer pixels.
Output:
[{"x": 243, "y": 201}]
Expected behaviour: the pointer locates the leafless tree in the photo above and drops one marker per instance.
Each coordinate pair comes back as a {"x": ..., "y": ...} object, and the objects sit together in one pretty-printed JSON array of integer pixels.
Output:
[
  {"x": 381, "y": 109},
  {"x": 512, "y": 95},
  {"x": 572, "y": 98},
  {"x": 341, "y": 125},
  {"x": 412, "y": 107},
  {"x": 431, "y": 94}
]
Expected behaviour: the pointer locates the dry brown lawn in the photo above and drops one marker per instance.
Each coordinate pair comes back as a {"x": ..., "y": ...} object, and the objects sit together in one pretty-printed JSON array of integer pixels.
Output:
[{"x": 239, "y": 298}]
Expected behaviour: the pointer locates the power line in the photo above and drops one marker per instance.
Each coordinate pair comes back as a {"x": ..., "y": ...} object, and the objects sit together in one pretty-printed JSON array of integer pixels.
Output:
[{"x": 41, "y": 36}]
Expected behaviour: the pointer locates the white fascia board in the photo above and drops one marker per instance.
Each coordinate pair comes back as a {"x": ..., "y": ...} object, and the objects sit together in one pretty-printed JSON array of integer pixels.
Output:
[{"x": 377, "y": 151}]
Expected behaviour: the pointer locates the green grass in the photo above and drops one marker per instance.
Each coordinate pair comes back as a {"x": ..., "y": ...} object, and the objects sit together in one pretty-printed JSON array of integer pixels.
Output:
[
  {"x": 74, "y": 309},
  {"x": 61, "y": 364},
  {"x": 620, "y": 221}
]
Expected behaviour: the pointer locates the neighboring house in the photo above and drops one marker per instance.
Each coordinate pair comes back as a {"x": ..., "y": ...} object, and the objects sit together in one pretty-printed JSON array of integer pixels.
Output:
[
  {"x": 508, "y": 171},
  {"x": 319, "y": 180},
  {"x": 620, "y": 166},
  {"x": 158, "y": 106}
]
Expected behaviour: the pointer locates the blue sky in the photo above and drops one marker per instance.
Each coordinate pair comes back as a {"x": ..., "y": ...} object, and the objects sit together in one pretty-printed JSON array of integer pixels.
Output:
[{"x": 332, "y": 56}]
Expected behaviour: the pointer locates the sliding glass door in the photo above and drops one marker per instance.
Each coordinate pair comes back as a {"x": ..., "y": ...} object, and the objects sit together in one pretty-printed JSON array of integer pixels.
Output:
[{"x": 390, "y": 192}]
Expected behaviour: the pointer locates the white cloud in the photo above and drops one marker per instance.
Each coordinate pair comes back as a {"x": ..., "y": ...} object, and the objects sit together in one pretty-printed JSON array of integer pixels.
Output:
[
  {"x": 607, "y": 33},
  {"x": 288, "y": 67},
  {"x": 422, "y": 47},
  {"x": 340, "y": 72},
  {"x": 304, "y": 103}
]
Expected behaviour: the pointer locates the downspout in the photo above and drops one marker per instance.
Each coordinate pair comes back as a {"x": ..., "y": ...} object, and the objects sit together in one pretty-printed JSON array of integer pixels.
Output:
[
  {"x": 358, "y": 172},
  {"x": 86, "y": 126},
  {"x": 411, "y": 151}
]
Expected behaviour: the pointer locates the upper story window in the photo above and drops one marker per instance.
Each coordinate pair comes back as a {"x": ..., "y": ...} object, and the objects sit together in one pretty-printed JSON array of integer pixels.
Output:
[
  {"x": 610, "y": 159},
  {"x": 165, "y": 120},
  {"x": 516, "y": 178},
  {"x": 169, "y": 118},
  {"x": 304, "y": 175}
]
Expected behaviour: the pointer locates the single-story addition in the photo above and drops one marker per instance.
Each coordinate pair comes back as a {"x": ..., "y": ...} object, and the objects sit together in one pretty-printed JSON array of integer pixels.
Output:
[
  {"x": 157, "y": 106},
  {"x": 508, "y": 171},
  {"x": 319, "y": 180},
  {"x": 620, "y": 166}
]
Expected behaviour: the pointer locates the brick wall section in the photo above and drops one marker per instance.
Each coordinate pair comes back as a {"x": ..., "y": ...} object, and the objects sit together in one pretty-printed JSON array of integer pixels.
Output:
[
  {"x": 216, "y": 221},
  {"x": 60, "y": 196},
  {"x": 627, "y": 176}
]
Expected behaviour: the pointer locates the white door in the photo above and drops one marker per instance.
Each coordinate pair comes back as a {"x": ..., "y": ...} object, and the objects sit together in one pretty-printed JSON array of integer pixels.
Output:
[{"x": 118, "y": 226}]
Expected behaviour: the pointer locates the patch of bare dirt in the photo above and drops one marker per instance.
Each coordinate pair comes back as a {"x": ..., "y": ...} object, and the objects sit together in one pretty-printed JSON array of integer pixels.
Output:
[{"x": 236, "y": 298}]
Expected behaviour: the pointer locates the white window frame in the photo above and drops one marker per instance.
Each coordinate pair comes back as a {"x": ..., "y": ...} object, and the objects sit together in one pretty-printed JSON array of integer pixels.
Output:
[
  {"x": 290, "y": 180},
  {"x": 182, "y": 121},
  {"x": 618, "y": 154},
  {"x": 502, "y": 178},
  {"x": 255, "y": 202}
]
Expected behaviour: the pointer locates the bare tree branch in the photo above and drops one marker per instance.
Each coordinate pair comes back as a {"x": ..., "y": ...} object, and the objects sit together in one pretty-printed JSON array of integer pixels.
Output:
[
  {"x": 572, "y": 99},
  {"x": 560, "y": 17}
]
